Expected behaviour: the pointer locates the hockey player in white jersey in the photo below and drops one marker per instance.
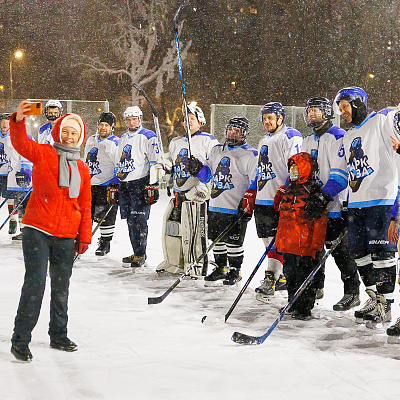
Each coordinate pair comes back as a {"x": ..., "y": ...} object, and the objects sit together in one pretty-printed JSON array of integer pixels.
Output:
[
  {"x": 325, "y": 144},
  {"x": 231, "y": 167},
  {"x": 52, "y": 110},
  {"x": 373, "y": 181},
  {"x": 278, "y": 144},
  {"x": 5, "y": 147},
  {"x": 182, "y": 244},
  {"x": 100, "y": 154},
  {"x": 19, "y": 181},
  {"x": 137, "y": 151}
]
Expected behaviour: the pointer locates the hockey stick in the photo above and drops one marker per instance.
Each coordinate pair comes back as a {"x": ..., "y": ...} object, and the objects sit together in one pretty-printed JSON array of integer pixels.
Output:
[
  {"x": 97, "y": 226},
  {"x": 176, "y": 26},
  {"x": 242, "y": 338},
  {"x": 215, "y": 321},
  {"x": 4, "y": 202},
  {"x": 16, "y": 208},
  {"x": 159, "y": 299},
  {"x": 156, "y": 127}
]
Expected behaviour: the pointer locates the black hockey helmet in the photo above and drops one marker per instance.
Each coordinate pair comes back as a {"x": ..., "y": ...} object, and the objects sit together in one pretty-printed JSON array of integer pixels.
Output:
[
  {"x": 323, "y": 104},
  {"x": 241, "y": 123},
  {"x": 5, "y": 116}
]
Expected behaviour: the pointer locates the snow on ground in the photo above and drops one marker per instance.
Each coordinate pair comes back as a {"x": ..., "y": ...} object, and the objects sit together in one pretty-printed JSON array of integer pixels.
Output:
[{"x": 163, "y": 351}]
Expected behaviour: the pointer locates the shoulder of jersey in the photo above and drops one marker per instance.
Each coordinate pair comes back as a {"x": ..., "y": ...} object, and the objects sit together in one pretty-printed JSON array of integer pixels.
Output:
[
  {"x": 114, "y": 139},
  {"x": 147, "y": 133},
  {"x": 207, "y": 135},
  {"x": 44, "y": 127},
  {"x": 337, "y": 132},
  {"x": 250, "y": 148},
  {"x": 291, "y": 132},
  {"x": 385, "y": 111}
]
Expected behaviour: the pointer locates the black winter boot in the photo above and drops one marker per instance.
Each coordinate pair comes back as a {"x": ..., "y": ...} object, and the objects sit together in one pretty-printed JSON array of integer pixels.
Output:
[{"x": 104, "y": 246}]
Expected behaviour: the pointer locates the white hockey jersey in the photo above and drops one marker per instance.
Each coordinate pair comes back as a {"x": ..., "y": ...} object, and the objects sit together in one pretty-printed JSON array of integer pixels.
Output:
[
  {"x": 328, "y": 152},
  {"x": 371, "y": 161},
  {"x": 44, "y": 135},
  {"x": 100, "y": 156},
  {"x": 201, "y": 145},
  {"x": 274, "y": 152},
  {"x": 135, "y": 153},
  {"x": 21, "y": 166},
  {"x": 5, "y": 144},
  {"x": 232, "y": 170}
]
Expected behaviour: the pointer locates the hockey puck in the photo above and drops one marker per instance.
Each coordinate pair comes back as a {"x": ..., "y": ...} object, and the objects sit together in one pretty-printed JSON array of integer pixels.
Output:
[{"x": 203, "y": 319}]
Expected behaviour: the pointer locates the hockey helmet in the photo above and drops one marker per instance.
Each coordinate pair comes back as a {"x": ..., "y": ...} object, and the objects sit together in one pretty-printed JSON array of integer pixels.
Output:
[{"x": 323, "y": 104}]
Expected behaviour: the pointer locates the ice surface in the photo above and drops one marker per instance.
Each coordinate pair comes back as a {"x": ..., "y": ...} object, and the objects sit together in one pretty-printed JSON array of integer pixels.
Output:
[{"x": 163, "y": 351}]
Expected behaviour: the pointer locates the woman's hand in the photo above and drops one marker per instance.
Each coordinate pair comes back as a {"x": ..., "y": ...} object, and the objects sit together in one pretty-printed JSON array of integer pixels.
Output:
[
  {"x": 395, "y": 142},
  {"x": 23, "y": 110}
]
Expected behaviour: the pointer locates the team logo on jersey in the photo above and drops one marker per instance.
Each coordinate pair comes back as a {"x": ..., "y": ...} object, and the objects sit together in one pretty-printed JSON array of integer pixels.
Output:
[
  {"x": 222, "y": 178},
  {"x": 126, "y": 163},
  {"x": 265, "y": 172},
  {"x": 3, "y": 155},
  {"x": 92, "y": 163},
  {"x": 357, "y": 165},
  {"x": 180, "y": 173}
]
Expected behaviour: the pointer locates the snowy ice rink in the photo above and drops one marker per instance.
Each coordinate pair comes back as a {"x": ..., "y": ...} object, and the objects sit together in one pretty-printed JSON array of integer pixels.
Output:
[{"x": 163, "y": 351}]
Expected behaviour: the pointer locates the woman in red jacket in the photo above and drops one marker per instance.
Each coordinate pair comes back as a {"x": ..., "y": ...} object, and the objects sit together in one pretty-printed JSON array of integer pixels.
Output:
[
  {"x": 57, "y": 224},
  {"x": 299, "y": 235}
]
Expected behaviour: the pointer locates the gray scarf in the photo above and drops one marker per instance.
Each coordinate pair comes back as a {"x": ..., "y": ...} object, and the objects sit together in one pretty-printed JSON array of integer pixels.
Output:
[{"x": 68, "y": 156}]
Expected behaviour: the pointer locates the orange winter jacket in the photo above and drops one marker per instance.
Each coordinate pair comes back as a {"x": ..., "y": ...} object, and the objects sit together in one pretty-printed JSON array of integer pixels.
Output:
[
  {"x": 50, "y": 208},
  {"x": 297, "y": 232}
]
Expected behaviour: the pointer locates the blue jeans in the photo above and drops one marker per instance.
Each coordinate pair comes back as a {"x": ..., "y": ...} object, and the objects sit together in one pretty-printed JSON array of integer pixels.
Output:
[{"x": 39, "y": 249}]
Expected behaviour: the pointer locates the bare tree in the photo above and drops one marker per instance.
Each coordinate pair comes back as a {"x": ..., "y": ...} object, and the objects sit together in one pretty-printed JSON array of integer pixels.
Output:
[{"x": 136, "y": 32}]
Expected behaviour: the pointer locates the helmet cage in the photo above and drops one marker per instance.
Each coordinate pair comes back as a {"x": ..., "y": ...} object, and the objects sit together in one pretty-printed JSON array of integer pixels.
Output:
[
  {"x": 241, "y": 123},
  {"x": 322, "y": 104}
]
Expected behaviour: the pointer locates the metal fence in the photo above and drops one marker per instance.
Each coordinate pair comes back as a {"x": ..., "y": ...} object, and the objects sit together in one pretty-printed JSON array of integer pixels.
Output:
[
  {"x": 88, "y": 110},
  {"x": 220, "y": 114}
]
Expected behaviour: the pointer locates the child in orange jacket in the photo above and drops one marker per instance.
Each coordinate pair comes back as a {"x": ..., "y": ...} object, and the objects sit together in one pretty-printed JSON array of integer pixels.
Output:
[{"x": 299, "y": 236}]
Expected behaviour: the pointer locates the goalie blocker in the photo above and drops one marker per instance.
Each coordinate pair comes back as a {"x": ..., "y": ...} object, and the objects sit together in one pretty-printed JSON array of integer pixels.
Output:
[{"x": 184, "y": 232}]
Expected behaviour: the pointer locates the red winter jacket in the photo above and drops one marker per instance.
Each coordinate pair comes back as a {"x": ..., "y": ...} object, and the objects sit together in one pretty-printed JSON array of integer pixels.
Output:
[
  {"x": 297, "y": 232},
  {"x": 50, "y": 208}
]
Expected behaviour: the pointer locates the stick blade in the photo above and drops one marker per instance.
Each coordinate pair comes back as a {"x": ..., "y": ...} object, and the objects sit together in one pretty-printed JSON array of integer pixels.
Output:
[
  {"x": 138, "y": 300},
  {"x": 212, "y": 321},
  {"x": 242, "y": 338}
]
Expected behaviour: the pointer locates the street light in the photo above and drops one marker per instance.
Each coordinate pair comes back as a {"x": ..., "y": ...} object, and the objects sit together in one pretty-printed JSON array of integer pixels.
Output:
[{"x": 17, "y": 54}]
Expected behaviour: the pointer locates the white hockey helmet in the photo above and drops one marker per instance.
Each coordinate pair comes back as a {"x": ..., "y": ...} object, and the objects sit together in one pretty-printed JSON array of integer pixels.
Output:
[
  {"x": 197, "y": 112},
  {"x": 133, "y": 111},
  {"x": 52, "y": 104}
]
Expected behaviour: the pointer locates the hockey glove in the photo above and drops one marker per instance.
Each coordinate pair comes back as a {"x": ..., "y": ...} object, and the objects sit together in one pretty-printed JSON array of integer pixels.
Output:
[
  {"x": 199, "y": 193},
  {"x": 249, "y": 200},
  {"x": 317, "y": 204},
  {"x": 151, "y": 194},
  {"x": 23, "y": 179},
  {"x": 278, "y": 197},
  {"x": 112, "y": 194},
  {"x": 193, "y": 165}
]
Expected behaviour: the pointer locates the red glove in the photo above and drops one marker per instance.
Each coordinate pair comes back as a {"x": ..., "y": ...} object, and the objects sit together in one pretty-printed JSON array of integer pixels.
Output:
[
  {"x": 80, "y": 247},
  {"x": 112, "y": 194},
  {"x": 249, "y": 200},
  {"x": 151, "y": 193},
  {"x": 278, "y": 197}
]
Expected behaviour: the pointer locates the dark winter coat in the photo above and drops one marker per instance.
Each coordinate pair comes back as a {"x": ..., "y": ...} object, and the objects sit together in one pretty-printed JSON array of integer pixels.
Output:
[{"x": 297, "y": 232}]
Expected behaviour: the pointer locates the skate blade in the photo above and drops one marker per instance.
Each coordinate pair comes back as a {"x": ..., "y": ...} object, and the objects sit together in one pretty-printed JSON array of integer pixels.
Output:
[
  {"x": 263, "y": 298},
  {"x": 211, "y": 284},
  {"x": 393, "y": 339},
  {"x": 212, "y": 321}
]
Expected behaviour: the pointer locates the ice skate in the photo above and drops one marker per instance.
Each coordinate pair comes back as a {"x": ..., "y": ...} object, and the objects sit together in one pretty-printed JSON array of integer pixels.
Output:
[
  {"x": 347, "y": 302},
  {"x": 17, "y": 237},
  {"x": 12, "y": 227},
  {"x": 302, "y": 316},
  {"x": 139, "y": 261},
  {"x": 104, "y": 247},
  {"x": 127, "y": 261},
  {"x": 267, "y": 287},
  {"x": 394, "y": 333},
  {"x": 382, "y": 313},
  {"x": 232, "y": 277},
  {"x": 367, "y": 307},
  {"x": 281, "y": 283},
  {"x": 216, "y": 277}
]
